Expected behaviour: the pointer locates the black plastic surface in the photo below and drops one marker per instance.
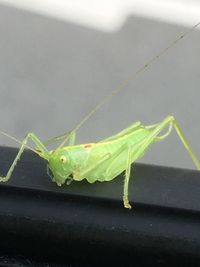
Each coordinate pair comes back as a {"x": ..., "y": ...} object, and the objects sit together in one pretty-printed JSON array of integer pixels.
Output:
[{"x": 86, "y": 225}]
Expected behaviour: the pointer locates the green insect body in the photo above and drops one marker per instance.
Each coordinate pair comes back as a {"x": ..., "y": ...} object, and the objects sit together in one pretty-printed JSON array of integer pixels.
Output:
[
  {"x": 104, "y": 160},
  {"x": 101, "y": 161}
]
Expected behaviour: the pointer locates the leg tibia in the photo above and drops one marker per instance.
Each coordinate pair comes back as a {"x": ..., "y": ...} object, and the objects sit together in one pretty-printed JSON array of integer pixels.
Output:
[
  {"x": 42, "y": 152},
  {"x": 126, "y": 181},
  {"x": 185, "y": 142},
  {"x": 168, "y": 121}
]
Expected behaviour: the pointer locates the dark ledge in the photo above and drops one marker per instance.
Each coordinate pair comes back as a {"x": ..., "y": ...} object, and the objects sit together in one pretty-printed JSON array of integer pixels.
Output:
[{"x": 86, "y": 225}]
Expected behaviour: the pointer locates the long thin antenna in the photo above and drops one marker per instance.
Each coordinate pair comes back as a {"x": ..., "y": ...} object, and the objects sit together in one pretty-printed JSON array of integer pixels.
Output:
[
  {"x": 18, "y": 141},
  {"x": 132, "y": 77}
]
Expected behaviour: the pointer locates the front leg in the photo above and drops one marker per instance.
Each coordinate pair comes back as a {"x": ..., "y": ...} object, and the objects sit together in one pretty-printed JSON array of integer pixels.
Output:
[
  {"x": 42, "y": 152},
  {"x": 69, "y": 180}
]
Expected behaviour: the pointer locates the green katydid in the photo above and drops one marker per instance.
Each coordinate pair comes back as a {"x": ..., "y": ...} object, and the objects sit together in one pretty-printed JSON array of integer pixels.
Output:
[{"x": 106, "y": 159}]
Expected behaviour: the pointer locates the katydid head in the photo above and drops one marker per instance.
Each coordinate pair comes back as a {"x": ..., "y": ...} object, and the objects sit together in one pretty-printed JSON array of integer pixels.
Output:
[{"x": 59, "y": 164}]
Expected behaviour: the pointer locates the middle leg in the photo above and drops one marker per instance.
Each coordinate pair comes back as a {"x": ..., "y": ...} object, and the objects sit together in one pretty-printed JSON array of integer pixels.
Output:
[{"x": 71, "y": 135}]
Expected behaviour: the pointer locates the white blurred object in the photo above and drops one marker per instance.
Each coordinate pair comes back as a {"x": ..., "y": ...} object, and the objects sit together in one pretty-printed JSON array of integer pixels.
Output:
[{"x": 109, "y": 15}]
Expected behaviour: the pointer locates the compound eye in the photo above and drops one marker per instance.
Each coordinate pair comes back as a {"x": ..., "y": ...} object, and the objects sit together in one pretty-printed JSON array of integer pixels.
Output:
[{"x": 63, "y": 159}]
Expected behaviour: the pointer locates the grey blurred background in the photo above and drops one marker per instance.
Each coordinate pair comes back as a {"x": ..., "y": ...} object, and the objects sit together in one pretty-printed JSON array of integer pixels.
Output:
[{"x": 53, "y": 72}]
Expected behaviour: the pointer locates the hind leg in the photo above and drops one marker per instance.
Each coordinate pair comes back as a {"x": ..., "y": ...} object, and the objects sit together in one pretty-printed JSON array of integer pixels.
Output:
[
  {"x": 154, "y": 135},
  {"x": 171, "y": 122}
]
